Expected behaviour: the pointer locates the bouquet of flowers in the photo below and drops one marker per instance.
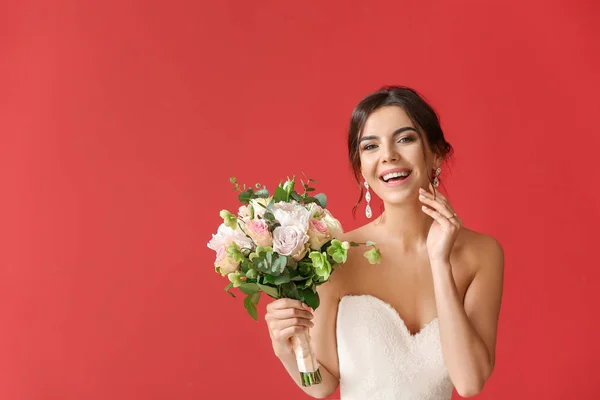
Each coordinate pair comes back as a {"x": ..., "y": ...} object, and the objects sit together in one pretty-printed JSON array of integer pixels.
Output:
[{"x": 284, "y": 245}]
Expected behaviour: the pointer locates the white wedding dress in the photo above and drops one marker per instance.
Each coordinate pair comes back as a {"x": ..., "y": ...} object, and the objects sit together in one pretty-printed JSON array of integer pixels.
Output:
[{"x": 381, "y": 360}]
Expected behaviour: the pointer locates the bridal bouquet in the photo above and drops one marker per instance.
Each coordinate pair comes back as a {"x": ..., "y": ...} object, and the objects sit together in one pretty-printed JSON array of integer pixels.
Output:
[{"x": 283, "y": 244}]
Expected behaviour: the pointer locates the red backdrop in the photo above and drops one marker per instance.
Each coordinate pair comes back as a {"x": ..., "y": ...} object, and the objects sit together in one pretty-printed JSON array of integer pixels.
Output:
[{"x": 121, "y": 123}]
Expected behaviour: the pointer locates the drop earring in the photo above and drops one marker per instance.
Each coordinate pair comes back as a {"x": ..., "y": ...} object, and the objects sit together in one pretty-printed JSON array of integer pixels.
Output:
[
  {"x": 368, "y": 211},
  {"x": 436, "y": 180}
]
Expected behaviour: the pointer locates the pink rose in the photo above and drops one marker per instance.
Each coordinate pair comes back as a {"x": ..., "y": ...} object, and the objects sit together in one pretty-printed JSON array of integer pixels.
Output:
[
  {"x": 290, "y": 241},
  {"x": 318, "y": 232},
  {"x": 226, "y": 264},
  {"x": 258, "y": 230}
]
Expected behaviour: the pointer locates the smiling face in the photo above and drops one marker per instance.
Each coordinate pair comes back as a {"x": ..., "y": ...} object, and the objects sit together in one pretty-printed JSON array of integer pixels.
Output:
[{"x": 394, "y": 159}]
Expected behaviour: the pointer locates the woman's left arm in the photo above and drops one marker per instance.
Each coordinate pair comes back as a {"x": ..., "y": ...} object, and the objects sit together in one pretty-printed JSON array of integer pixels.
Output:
[{"x": 468, "y": 332}]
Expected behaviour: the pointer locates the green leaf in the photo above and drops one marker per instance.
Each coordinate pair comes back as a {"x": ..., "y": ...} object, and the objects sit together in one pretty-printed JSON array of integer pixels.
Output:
[
  {"x": 369, "y": 243},
  {"x": 255, "y": 298},
  {"x": 297, "y": 197},
  {"x": 249, "y": 288},
  {"x": 280, "y": 194},
  {"x": 227, "y": 290},
  {"x": 251, "y": 307},
  {"x": 311, "y": 298},
  {"x": 289, "y": 290},
  {"x": 269, "y": 216},
  {"x": 322, "y": 199},
  {"x": 271, "y": 291},
  {"x": 282, "y": 279}
]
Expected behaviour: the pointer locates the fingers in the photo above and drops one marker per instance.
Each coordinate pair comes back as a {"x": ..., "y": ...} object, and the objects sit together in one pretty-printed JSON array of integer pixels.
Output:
[
  {"x": 287, "y": 317},
  {"x": 438, "y": 205},
  {"x": 443, "y": 221},
  {"x": 289, "y": 313},
  {"x": 285, "y": 303}
]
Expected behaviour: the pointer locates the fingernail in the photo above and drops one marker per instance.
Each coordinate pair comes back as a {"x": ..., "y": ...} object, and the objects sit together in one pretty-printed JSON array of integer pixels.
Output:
[
  {"x": 305, "y": 306},
  {"x": 421, "y": 196}
]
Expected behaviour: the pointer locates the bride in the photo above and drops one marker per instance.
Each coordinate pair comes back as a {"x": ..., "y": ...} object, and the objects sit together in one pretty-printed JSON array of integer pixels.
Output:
[{"x": 424, "y": 321}]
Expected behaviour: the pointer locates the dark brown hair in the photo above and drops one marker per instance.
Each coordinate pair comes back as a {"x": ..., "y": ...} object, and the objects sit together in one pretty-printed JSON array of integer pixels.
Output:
[{"x": 422, "y": 115}]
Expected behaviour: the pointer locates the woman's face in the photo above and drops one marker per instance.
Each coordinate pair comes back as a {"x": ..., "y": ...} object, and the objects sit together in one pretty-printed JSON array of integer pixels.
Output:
[{"x": 391, "y": 156}]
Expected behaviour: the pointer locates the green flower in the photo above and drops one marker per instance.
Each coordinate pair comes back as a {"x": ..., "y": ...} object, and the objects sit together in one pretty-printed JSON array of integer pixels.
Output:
[
  {"x": 234, "y": 252},
  {"x": 229, "y": 219},
  {"x": 373, "y": 255},
  {"x": 235, "y": 278},
  {"x": 321, "y": 264},
  {"x": 338, "y": 251},
  {"x": 251, "y": 274}
]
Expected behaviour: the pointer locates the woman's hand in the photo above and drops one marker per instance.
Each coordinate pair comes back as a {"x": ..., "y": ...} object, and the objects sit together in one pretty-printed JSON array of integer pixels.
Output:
[
  {"x": 286, "y": 318},
  {"x": 445, "y": 227}
]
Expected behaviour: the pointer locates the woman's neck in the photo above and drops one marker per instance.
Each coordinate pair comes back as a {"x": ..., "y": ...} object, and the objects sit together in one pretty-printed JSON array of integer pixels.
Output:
[{"x": 405, "y": 224}]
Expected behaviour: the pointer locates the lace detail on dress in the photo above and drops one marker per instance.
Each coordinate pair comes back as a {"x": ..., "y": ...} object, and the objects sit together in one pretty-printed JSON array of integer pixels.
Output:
[{"x": 380, "y": 359}]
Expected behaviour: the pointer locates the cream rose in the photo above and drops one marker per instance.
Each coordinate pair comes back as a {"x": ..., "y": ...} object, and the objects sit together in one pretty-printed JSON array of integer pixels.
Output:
[
  {"x": 244, "y": 213},
  {"x": 290, "y": 241},
  {"x": 333, "y": 225},
  {"x": 225, "y": 263},
  {"x": 258, "y": 230},
  {"x": 318, "y": 233}
]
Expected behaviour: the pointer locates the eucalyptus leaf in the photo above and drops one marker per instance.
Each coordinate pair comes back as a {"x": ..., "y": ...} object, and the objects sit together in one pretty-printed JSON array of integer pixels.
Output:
[
  {"x": 246, "y": 196},
  {"x": 262, "y": 193},
  {"x": 322, "y": 199}
]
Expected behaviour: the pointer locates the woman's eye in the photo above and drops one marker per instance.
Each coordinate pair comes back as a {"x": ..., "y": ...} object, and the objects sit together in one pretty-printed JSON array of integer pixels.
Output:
[
  {"x": 405, "y": 139},
  {"x": 369, "y": 147}
]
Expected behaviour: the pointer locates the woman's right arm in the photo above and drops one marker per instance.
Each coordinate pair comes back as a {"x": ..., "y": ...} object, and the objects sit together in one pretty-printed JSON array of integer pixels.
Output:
[{"x": 287, "y": 317}]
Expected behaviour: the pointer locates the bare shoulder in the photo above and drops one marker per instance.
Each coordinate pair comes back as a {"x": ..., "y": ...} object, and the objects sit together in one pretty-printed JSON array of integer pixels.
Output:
[{"x": 482, "y": 250}]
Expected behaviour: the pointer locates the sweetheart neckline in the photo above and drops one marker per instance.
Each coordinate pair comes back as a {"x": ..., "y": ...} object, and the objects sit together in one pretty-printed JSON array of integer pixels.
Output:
[{"x": 395, "y": 312}]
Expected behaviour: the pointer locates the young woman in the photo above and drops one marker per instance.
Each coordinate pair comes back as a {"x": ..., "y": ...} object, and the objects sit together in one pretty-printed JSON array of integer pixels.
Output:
[{"x": 424, "y": 321}]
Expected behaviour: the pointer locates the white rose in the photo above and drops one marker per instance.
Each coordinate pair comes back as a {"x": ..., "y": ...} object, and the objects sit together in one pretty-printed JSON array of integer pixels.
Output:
[
  {"x": 292, "y": 214},
  {"x": 225, "y": 235},
  {"x": 290, "y": 241}
]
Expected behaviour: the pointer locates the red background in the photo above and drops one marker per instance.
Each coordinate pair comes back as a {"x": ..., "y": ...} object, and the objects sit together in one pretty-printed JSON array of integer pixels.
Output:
[{"x": 121, "y": 123}]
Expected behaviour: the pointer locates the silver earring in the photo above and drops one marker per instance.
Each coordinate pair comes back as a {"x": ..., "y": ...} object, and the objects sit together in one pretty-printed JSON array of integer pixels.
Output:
[
  {"x": 368, "y": 211},
  {"x": 436, "y": 180}
]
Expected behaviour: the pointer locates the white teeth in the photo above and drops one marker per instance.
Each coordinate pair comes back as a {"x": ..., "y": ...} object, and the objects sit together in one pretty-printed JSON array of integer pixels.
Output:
[{"x": 389, "y": 176}]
